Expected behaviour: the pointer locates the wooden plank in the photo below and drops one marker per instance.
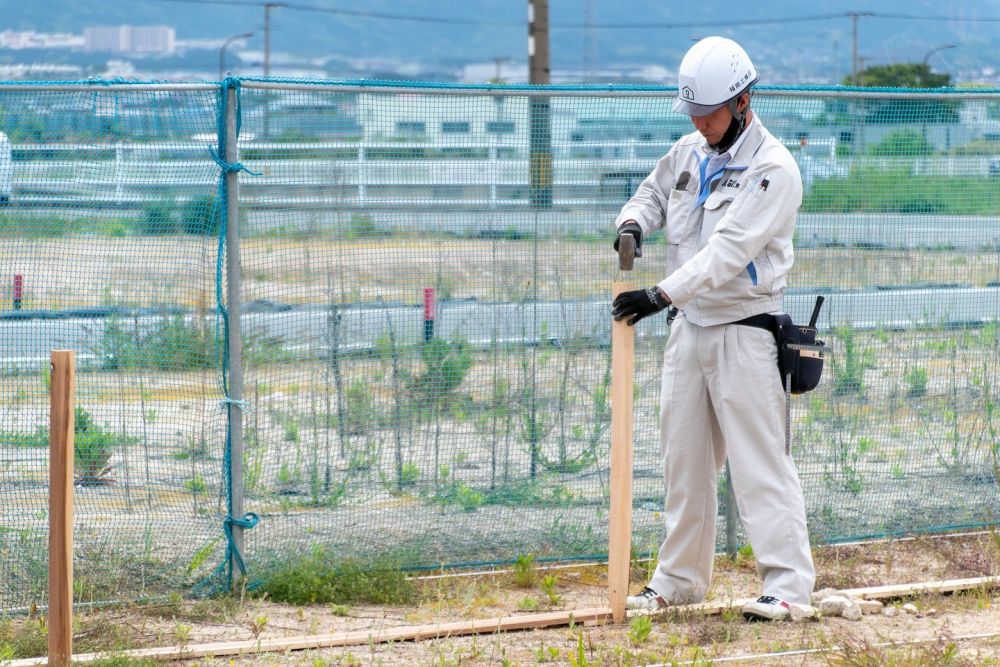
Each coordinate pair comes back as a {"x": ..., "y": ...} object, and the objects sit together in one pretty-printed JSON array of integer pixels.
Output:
[
  {"x": 61, "y": 421},
  {"x": 596, "y": 615},
  {"x": 620, "y": 515},
  {"x": 941, "y": 586},
  {"x": 589, "y": 616}
]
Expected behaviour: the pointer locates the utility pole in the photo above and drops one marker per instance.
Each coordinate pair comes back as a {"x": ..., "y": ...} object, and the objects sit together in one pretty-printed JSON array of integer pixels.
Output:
[
  {"x": 498, "y": 61},
  {"x": 854, "y": 44},
  {"x": 268, "y": 6},
  {"x": 540, "y": 125},
  {"x": 589, "y": 41}
]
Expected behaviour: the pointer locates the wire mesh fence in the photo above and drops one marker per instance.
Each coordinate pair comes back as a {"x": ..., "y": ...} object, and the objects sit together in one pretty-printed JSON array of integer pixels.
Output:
[{"x": 423, "y": 298}]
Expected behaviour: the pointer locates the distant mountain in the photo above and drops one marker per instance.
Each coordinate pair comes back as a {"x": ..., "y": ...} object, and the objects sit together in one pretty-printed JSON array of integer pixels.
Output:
[{"x": 818, "y": 50}]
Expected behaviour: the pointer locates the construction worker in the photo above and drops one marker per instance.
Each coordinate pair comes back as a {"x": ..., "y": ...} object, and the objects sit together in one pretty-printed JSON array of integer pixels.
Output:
[{"x": 727, "y": 196}]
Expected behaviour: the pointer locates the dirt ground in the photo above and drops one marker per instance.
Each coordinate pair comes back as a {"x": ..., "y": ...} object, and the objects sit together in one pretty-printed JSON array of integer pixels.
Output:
[{"x": 952, "y": 629}]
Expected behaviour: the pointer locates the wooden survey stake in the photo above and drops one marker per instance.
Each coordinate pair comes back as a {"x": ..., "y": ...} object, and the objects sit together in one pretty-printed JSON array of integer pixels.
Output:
[
  {"x": 61, "y": 423},
  {"x": 620, "y": 519}
]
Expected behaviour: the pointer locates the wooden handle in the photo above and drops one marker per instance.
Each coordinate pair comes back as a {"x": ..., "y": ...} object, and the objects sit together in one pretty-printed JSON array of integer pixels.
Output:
[
  {"x": 61, "y": 426},
  {"x": 620, "y": 517}
]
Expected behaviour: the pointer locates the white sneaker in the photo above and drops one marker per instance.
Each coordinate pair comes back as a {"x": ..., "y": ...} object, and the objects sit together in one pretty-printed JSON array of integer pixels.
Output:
[
  {"x": 766, "y": 608},
  {"x": 647, "y": 599}
]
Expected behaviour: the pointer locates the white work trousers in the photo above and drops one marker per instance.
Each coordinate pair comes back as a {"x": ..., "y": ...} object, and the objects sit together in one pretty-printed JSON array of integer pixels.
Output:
[{"x": 721, "y": 395}]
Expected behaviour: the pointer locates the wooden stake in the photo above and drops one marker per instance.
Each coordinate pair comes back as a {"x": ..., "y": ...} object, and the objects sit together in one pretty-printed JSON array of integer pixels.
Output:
[
  {"x": 61, "y": 423},
  {"x": 620, "y": 518}
]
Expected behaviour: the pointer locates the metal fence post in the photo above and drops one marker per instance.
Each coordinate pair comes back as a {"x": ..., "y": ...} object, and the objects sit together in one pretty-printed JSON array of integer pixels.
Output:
[{"x": 233, "y": 284}]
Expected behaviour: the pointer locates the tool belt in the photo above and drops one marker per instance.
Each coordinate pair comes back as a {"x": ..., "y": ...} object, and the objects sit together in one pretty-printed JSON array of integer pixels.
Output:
[{"x": 800, "y": 355}]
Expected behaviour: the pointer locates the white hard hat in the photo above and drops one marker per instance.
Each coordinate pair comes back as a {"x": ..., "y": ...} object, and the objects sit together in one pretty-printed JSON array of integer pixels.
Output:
[{"x": 714, "y": 71}]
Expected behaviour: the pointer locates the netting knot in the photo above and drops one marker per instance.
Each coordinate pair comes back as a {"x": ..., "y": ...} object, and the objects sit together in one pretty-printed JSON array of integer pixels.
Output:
[
  {"x": 242, "y": 405},
  {"x": 230, "y": 167},
  {"x": 247, "y": 521}
]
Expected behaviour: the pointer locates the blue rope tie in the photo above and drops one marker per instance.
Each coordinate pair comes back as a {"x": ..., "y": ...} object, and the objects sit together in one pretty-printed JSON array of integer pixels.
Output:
[
  {"x": 242, "y": 405},
  {"x": 246, "y": 522},
  {"x": 230, "y": 167}
]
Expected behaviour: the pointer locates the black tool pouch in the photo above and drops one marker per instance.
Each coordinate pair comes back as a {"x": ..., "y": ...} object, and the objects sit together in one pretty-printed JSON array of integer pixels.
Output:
[{"x": 800, "y": 355}]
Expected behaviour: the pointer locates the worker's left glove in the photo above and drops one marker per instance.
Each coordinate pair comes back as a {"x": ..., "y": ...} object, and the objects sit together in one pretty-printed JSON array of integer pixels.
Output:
[{"x": 637, "y": 304}]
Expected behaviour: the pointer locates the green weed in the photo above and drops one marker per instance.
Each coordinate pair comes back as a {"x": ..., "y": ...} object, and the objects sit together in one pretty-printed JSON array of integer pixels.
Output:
[
  {"x": 525, "y": 572},
  {"x": 549, "y": 588},
  {"x": 317, "y": 577},
  {"x": 639, "y": 629}
]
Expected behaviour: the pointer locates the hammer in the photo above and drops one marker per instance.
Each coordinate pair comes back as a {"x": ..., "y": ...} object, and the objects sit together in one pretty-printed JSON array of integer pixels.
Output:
[
  {"x": 626, "y": 252},
  {"x": 622, "y": 378}
]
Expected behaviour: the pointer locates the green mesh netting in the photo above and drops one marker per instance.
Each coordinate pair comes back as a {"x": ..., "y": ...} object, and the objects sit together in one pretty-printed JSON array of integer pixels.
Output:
[{"x": 425, "y": 326}]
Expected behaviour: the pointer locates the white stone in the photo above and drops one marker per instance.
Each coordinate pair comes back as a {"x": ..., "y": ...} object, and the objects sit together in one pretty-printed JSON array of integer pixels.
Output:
[
  {"x": 853, "y": 611},
  {"x": 833, "y": 605},
  {"x": 870, "y": 606},
  {"x": 802, "y": 612},
  {"x": 910, "y": 608},
  {"x": 890, "y": 611},
  {"x": 930, "y": 612},
  {"x": 819, "y": 596}
]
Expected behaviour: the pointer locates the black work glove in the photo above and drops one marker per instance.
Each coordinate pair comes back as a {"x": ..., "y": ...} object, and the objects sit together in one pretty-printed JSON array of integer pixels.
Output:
[
  {"x": 635, "y": 230},
  {"x": 637, "y": 304}
]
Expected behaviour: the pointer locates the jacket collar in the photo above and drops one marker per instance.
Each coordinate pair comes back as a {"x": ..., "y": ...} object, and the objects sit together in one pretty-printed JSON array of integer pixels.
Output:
[{"x": 741, "y": 152}]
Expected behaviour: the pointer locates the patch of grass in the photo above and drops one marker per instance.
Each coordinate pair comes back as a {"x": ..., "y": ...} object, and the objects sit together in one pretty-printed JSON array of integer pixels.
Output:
[
  {"x": 318, "y": 577},
  {"x": 29, "y": 226},
  {"x": 549, "y": 588},
  {"x": 869, "y": 188},
  {"x": 861, "y": 652},
  {"x": 171, "y": 343},
  {"x": 525, "y": 572},
  {"x": 639, "y": 629},
  {"x": 125, "y": 661},
  {"x": 92, "y": 447},
  {"x": 26, "y": 638}
]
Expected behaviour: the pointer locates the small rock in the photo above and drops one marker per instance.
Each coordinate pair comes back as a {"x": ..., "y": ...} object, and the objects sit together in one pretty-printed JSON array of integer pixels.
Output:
[
  {"x": 930, "y": 612},
  {"x": 890, "y": 611},
  {"x": 853, "y": 611},
  {"x": 833, "y": 605},
  {"x": 802, "y": 612},
  {"x": 910, "y": 608},
  {"x": 819, "y": 596},
  {"x": 870, "y": 606}
]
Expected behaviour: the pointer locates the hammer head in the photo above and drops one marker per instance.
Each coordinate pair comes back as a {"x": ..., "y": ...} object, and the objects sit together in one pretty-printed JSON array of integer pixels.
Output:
[{"x": 626, "y": 252}]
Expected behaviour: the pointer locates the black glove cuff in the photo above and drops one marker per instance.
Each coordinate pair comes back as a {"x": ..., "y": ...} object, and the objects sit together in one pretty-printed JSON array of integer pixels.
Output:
[
  {"x": 635, "y": 230},
  {"x": 656, "y": 298}
]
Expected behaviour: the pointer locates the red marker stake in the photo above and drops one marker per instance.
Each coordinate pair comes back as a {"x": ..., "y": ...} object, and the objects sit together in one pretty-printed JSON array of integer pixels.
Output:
[
  {"x": 428, "y": 313},
  {"x": 18, "y": 290}
]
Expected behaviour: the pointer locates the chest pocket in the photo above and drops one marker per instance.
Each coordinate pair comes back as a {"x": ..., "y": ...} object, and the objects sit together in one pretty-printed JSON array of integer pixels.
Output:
[
  {"x": 681, "y": 227},
  {"x": 716, "y": 206}
]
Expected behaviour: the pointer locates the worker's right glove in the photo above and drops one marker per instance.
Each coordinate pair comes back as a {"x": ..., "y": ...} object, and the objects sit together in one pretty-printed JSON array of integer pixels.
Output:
[
  {"x": 635, "y": 230},
  {"x": 637, "y": 304}
]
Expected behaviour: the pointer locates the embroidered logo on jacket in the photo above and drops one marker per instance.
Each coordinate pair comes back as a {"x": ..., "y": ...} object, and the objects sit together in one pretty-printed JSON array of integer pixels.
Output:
[{"x": 731, "y": 183}]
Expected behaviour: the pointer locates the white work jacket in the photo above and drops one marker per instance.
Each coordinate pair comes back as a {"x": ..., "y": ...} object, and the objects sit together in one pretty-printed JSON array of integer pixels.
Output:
[{"x": 729, "y": 224}]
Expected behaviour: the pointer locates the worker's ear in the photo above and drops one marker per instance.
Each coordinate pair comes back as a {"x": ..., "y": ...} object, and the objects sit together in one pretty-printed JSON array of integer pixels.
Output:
[{"x": 743, "y": 102}]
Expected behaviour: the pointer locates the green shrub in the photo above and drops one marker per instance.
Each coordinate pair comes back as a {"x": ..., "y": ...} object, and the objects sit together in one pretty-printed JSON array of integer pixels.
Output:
[
  {"x": 318, "y": 578},
  {"x": 92, "y": 450},
  {"x": 198, "y": 216},
  {"x": 916, "y": 382},
  {"x": 525, "y": 573},
  {"x": 158, "y": 218},
  {"x": 172, "y": 343},
  {"x": 409, "y": 473}
]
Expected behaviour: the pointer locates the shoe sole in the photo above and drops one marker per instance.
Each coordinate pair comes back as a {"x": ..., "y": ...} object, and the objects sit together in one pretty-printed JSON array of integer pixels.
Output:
[{"x": 754, "y": 617}]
